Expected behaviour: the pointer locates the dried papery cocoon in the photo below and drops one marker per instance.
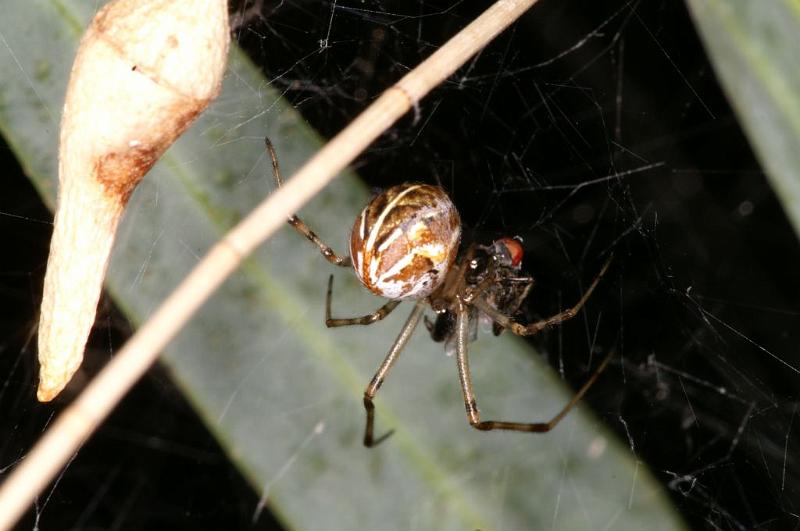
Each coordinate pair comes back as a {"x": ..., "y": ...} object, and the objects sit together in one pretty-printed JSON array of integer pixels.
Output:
[{"x": 144, "y": 71}]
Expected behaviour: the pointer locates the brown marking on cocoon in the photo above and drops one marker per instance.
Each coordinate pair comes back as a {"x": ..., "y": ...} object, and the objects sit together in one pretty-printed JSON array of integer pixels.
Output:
[{"x": 119, "y": 173}]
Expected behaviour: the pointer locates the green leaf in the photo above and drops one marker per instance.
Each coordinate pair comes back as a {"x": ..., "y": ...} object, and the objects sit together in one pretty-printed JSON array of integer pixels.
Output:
[
  {"x": 283, "y": 393},
  {"x": 754, "y": 47}
]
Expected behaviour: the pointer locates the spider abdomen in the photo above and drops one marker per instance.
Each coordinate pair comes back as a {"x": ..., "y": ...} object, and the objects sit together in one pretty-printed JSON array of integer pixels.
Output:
[{"x": 405, "y": 240}]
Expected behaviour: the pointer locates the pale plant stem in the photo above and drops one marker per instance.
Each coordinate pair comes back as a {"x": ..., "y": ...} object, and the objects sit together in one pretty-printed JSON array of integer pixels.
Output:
[{"x": 81, "y": 418}]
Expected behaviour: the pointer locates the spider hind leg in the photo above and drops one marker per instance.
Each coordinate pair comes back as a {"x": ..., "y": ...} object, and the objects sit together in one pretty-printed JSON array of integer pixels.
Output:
[{"x": 380, "y": 375}]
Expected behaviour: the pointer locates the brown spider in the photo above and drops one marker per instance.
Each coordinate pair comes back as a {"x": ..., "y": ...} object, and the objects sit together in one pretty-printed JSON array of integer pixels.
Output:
[{"x": 404, "y": 246}]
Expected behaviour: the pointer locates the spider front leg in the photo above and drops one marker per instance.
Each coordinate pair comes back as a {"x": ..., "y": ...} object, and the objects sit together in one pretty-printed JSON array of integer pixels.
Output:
[
  {"x": 368, "y": 319},
  {"x": 298, "y": 224},
  {"x": 383, "y": 370},
  {"x": 534, "y": 328},
  {"x": 471, "y": 405}
]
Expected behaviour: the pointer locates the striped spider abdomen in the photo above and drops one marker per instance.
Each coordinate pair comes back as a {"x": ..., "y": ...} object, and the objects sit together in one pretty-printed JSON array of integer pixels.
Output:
[{"x": 405, "y": 240}]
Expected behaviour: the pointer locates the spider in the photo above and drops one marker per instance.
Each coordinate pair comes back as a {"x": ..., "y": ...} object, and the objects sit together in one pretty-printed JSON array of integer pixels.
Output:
[{"x": 404, "y": 246}]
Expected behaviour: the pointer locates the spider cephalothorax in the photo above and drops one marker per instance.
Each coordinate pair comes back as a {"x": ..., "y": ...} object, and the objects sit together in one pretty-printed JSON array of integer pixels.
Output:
[{"x": 495, "y": 271}]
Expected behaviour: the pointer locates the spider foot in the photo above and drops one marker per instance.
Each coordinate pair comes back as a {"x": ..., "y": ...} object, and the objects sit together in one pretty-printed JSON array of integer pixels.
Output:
[{"x": 370, "y": 443}]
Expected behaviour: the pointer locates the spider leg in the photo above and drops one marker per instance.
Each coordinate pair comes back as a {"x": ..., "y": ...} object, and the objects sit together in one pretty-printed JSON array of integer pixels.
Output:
[
  {"x": 298, "y": 224},
  {"x": 534, "y": 328},
  {"x": 380, "y": 374},
  {"x": 368, "y": 319},
  {"x": 471, "y": 405},
  {"x": 462, "y": 359}
]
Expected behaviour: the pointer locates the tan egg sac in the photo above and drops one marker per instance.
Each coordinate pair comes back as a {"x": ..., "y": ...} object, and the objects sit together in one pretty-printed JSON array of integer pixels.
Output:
[{"x": 144, "y": 70}]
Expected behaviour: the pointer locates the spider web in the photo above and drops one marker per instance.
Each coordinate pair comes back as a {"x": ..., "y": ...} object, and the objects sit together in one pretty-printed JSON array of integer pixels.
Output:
[{"x": 587, "y": 128}]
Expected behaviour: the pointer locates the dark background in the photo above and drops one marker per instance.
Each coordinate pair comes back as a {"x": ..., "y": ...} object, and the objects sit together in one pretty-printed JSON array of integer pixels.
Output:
[{"x": 540, "y": 137}]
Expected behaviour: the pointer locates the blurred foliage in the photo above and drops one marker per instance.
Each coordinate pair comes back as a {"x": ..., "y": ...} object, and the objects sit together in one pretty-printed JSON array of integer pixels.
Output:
[{"x": 754, "y": 49}]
